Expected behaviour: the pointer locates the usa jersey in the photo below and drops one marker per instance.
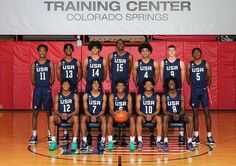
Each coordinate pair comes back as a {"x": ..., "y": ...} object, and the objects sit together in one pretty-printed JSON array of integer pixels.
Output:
[
  {"x": 95, "y": 104},
  {"x": 66, "y": 104},
  {"x": 145, "y": 70},
  {"x": 69, "y": 70},
  {"x": 120, "y": 66},
  {"x": 198, "y": 75},
  {"x": 121, "y": 104},
  {"x": 42, "y": 74},
  {"x": 172, "y": 69},
  {"x": 95, "y": 69},
  {"x": 173, "y": 103},
  {"x": 148, "y": 104}
]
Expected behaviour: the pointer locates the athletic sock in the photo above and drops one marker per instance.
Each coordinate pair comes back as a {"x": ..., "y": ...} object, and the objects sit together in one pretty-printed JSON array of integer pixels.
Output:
[
  {"x": 84, "y": 139},
  {"x": 110, "y": 138},
  {"x": 34, "y": 133},
  {"x": 140, "y": 138},
  {"x": 196, "y": 133},
  {"x": 209, "y": 134}
]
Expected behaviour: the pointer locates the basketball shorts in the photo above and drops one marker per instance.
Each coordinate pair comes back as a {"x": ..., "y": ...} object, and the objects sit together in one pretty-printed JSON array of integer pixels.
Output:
[
  {"x": 199, "y": 95},
  {"x": 42, "y": 95}
]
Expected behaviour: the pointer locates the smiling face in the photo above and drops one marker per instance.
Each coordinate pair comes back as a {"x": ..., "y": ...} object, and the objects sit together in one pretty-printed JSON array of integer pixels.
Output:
[
  {"x": 145, "y": 53},
  {"x": 68, "y": 50},
  {"x": 42, "y": 52},
  {"x": 148, "y": 86},
  {"x": 95, "y": 85},
  {"x": 120, "y": 45},
  {"x": 171, "y": 85},
  {"x": 197, "y": 55},
  {"x": 95, "y": 50},
  {"x": 65, "y": 86},
  {"x": 171, "y": 52},
  {"x": 120, "y": 87}
]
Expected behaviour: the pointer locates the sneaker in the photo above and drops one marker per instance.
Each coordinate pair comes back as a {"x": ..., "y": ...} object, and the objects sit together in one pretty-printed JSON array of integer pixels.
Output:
[
  {"x": 115, "y": 139},
  {"x": 181, "y": 140},
  {"x": 196, "y": 140},
  {"x": 110, "y": 146},
  {"x": 84, "y": 145},
  {"x": 152, "y": 140},
  {"x": 65, "y": 138},
  {"x": 74, "y": 146},
  {"x": 158, "y": 144},
  {"x": 190, "y": 146},
  {"x": 49, "y": 139},
  {"x": 123, "y": 141},
  {"x": 52, "y": 146},
  {"x": 140, "y": 145},
  {"x": 101, "y": 146},
  {"x": 89, "y": 139},
  {"x": 33, "y": 140},
  {"x": 131, "y": 146},
  {"x": 165, "y": 147},
  {"x": 210, "y": 141},
  {"x": 162, "y": 140}
]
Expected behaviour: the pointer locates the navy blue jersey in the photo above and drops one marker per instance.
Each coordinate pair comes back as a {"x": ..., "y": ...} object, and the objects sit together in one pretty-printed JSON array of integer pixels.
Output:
[
  {"x": 172, "y": 69},
  {"x": 198, "y": 75},
  {"x": 121, "y": 104},
  {"x": 42, "y": 73},
  {"x": 120, "y": 66},
  {"x": 94, "y": 69},
  {"x": 69, "y": 70},
  {"x": 95, "y": 104},
  {"x": 148, "y": 104},
  {"x": 145, "y": 70},
  {"x": 173, "y": 103},
  {"x": 66, "y": 104}
]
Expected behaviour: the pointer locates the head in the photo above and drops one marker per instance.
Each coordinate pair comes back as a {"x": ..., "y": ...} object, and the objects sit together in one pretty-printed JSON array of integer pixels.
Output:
[
  {"x": 95, "y": 47},
  {"x": 95, "y": 84},
  {"x": 42, "y": 50},
  {"x": 145, "y": 49},
  {"x": 68, "y": 49},
  {"x": 171, "y": 51},
  {"x": 65, "y": 85},
  {"x": 171, "y": 83},
  {"x": 120, "y": 45},
  {"x": 197, "y": 53},
  {"x": 148, "y": 84},
  {"x": 120, "y": 86}
]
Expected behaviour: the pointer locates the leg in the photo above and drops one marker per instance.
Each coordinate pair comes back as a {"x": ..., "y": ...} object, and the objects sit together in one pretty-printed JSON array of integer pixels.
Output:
[
  {"x": 110, "y": 132},
  {"x": 35, "y": 119},
  {"x": 189, "y": 120},
  {"x": 54, "y": 119},
  {"x": 158, "y": 121},
  {"x": 166, "y": 120},
  {"x": 140, "y": 120},
  {"x": 83, "y": 124},
  {"x": 102, "y": 120},
  {"x": 75, "y": 122}
]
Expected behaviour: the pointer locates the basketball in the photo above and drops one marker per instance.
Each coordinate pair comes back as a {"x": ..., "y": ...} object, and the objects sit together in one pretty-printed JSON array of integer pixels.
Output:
[{"x": 120, "y": 116}]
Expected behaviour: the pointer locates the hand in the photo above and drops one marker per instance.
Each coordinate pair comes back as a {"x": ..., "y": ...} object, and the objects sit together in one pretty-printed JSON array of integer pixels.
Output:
[
  {"x": 176, "y": 117},
  {"x": 148, "y": 118},
  {"x": 93, "y": 119},
  {"x": 64, "y": 116}
]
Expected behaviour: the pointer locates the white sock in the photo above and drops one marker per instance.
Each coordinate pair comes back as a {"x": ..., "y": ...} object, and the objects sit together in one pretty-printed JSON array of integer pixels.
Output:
[
  {"x": 103, "y": 139},
  {"x": 34, "y": 133},
  {"x": 165, "y": 139},
  {"x": 110, "y": 138},
  {"x": 158, "y": 138},
  {"x": 65, "y": 132},
  {"x": 196, "y": 133},
  {"x": 181, "y": 133},
  {"x": 208, "y": 134},
  {"x": 189, "y": 140},
  {"x": 74, "y": 139},
  {"x": 84, "y": 139},
  {"x": 49, "y": 134},
  {"x": 132, "y": 138},
  {"x": 140, "y": 138},
  {"x": 53, "y": 138}
]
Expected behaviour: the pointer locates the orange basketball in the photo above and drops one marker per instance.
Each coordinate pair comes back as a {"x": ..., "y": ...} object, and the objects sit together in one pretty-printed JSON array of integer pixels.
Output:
[{"x": 120, "y": 116}]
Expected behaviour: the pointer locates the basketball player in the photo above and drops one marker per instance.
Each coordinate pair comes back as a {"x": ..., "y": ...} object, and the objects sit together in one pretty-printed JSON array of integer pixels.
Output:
[
  {"x": 66, "y": 110},
  {"x": 199, "y": 79},
  {"x": 120, "y": 101},
  {"x": 174, "y": 111},
  {"x": 145, "y": 67},
  {"x": 148, "y": 109},
  {"x": 94, "y": 66},
  {"x": 42, "y": 76},
  {"x": 120, "y": 63},
  {"x": 174, "y": 67},
  {"x": 94, "y": 104},
  {"x": 69, "y": 68}
]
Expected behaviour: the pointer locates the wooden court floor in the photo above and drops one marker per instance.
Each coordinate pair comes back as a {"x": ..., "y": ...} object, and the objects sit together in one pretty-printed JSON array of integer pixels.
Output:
[{"x": 15, "y": 130}]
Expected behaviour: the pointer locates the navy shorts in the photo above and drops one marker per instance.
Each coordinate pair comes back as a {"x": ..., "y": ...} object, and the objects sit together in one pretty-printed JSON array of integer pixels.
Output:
[
  {"x": 199, "y": 95},
  {"x": 140, "y": 88},
  {"x": 74, "y": 88},
  {"x": 181, "y": 119},
  {"x": 113, "y": 86},
  {"x": 42, "y": 95}
]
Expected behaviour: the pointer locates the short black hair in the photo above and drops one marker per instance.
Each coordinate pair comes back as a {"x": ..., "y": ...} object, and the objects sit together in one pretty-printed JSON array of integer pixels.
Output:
[
  {"x": 97, "y": 44},
  {"x": 148, "y": 79},
  {"x": 65, "y": 80},
  {"x": 69, "y": 45},
  {"x": 144, "y": 45},
  {"x": 172, "y": 46},
  {"x": 120, "y": 81},
  {"x": 42, "y": 45},
  {"x": 120, "y": 40},
  {"x": 168, "y": 80},
  {"x": 196, "y": 49},
  {"x": 95, "y": 80}
]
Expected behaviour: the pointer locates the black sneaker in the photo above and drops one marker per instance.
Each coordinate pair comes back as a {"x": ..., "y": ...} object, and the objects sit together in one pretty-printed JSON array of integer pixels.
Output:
[
  {"x": 210, "y": 141},
  {"x": 84, "y": 145},
  {"x": 190, "y": 146},
  {"x": 165, "y": 147},
  {"x": 115, "y": 139},
  {"x": 89, "y": 138},
  {"x": 101, "y": 146},
  {"x": 196, "y": 140},
  {"x": 181, "y": 140},
  {"x": 49, "y": 139},
  {"x": 140, "y": 145},
  {"x": 33, "y": 140},
  {"x": 158, "y": 145},
  {"x": 152, "y": 140},
  {"x": 65, "y": 138},
  {"x": 123, "y": 141}
]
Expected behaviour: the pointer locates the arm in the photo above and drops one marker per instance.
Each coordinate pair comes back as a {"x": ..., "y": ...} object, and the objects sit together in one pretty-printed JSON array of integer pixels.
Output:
[
  {"x": 130, "y": 63},
  {"x": 55, "y": 106},
  {"x": 164, "y": 106},
  {"x": 138, "y": 111},
  {"x": 104, "y": 69},
  {"x": 182, "y": 68},
  {"x": 158, "y": 106},
  {"x": 104, "y": 101},
  {"x": 76, "y": 102},
  {"x": 111, "y": 105},
  {"x": 85, "y": 63},
  {"x": 188, "y": 73},
  {"x": 32, "y": 77},
  {"x": 59, "y": 71},
  {"x": 52, "y": 78},
  {"x": 162, "y": 71},
  {"x": 208, "y": 67},
  {"x": 79, "y": 74},
  {"x": 182, "y": 106},
  {"x": 109, "y": 62},
  {"x": 135, "y": 79},
  {"x": 129, "y": 105},
  {"x": 85, "y": 105},
  {"x": 157, "y": 71}
]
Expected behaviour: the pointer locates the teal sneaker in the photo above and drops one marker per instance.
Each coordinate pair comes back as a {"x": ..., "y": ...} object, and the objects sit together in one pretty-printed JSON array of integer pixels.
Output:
[
  {"x": 110, "y": 146},
  {"x": 131, "y": 146},
  {"x": 74, "y": 146},
  {"x": 52, "y": 146}
]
